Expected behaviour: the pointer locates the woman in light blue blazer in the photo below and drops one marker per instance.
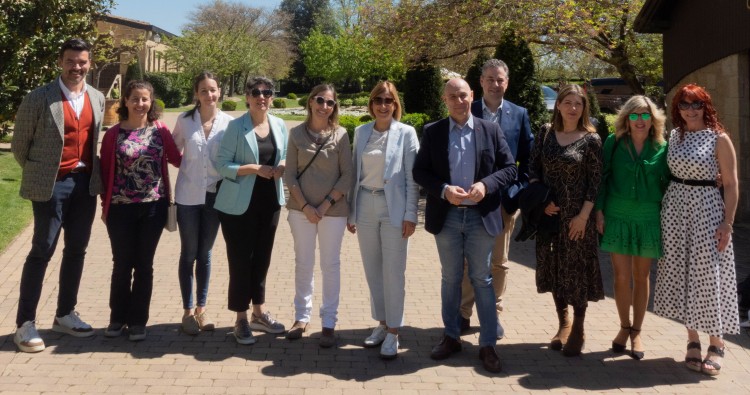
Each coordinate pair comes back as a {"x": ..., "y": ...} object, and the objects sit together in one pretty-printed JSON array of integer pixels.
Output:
[
  {"x": 251, "y": 161},
  {"x": 383, "y": 210}
]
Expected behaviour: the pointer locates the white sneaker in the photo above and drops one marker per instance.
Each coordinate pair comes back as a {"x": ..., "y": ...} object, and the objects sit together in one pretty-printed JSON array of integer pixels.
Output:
[
  {"x": 72, "y": 325},
  {"x": 377, "y": 337},
  {"x": 389, "y": 349},
  {"x": 27, "y": 338}
]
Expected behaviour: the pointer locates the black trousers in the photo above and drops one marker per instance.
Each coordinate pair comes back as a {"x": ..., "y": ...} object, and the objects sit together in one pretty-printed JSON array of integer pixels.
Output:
[
  {"x": 249, "y": 238},
  {"x": 134, "y": 232}
]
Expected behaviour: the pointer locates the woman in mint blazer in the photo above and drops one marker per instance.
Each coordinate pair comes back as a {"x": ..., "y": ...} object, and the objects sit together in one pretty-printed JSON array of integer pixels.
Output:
[
  {"x": 251, "y": 161},
  {"x": 383, "y": 210}
]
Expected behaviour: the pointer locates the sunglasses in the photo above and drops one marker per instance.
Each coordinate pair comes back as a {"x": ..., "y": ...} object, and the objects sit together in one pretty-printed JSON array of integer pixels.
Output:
[
  {"x": 696, "y": 105},
  {"x": 379, "y": 101},
  {"x": 322, "y": 100},
  {"x": 265, "y": 92},
  {"x": 634, "y": 117}
]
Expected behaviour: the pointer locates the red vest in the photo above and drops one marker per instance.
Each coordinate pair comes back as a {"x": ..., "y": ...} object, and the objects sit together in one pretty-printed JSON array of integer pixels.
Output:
[{"x": 77, "y": 137}]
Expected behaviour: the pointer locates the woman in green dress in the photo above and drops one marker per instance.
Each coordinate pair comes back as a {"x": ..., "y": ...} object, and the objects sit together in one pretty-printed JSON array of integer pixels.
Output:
[{"x": 628, "y": 211}]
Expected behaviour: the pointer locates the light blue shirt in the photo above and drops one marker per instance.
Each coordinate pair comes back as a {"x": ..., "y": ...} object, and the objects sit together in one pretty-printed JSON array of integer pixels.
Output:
[
  {"x": 488, "y": 115},
  {"x": 462, "y": 155}
]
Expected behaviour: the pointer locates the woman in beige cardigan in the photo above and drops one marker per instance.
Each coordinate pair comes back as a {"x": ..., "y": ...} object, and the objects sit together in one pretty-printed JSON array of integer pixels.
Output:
[{"x": 318, "y": 174}]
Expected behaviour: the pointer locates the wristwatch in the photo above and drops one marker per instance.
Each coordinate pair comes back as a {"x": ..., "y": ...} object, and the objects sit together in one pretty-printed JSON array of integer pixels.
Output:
[{"x": 330, "y": 200}]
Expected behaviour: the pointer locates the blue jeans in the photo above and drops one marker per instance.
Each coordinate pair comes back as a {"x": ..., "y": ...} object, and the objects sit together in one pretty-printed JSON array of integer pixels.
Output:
[
  {"x": 72, "y": 208},
  {"x": 464, "y": 237},
  {"x": 198, "y": 226}
]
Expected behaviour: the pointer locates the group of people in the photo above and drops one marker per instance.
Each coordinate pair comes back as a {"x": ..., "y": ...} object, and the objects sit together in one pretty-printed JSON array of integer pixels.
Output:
[{"x": 650, "y": 199}]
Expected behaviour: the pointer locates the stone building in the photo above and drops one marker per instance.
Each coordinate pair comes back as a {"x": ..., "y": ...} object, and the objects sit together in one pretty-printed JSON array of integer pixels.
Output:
[
  {"x": 708, "y": 43},
  {"x": 151, "y": 56}
]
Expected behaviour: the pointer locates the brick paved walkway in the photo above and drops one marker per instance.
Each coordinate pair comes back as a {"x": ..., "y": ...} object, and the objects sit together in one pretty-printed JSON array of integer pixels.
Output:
[{"x": 171, "y": 362}]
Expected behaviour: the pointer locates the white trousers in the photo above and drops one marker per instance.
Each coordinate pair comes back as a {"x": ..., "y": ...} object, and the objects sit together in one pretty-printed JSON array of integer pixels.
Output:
[
  {"x": 329, "y": 233},
  {"x": 383, "y": 252}
]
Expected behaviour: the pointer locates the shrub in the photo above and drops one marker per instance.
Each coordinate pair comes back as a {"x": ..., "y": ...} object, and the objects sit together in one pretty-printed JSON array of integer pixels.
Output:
[
  {"x": 174, "y": 88},
  {"x": 134, "y": 72},
  {"x": 361, "y": 101},
  {"x": 423, "y": 88},
  {"x": 416, "y": 120},
  {"x": 346, "y": 102},
  {"x": 302, "y": 101},
  {"x": 228, "y": 105},
  {"x": 349, "y": 122},
  {"x": 291, "y": 96},
  {"x": 279, "y": 103},
  {"x": 159, "y": 104},
  {"x": 365, "y": 118}
]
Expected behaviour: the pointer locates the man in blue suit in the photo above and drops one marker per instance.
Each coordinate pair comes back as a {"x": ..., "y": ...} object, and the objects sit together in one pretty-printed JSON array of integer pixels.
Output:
[
  {"x": 514, "y": 122},
  {"x": 464, "y": 164}
]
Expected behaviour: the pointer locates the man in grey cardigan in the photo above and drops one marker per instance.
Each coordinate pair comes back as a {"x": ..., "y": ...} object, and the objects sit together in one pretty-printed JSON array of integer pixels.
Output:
[{"x": 55, "y": 142}]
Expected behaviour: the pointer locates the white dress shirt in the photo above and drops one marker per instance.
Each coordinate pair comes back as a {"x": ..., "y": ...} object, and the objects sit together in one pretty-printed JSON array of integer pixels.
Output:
[
  {"x": 76, "y": 101},
  {"x": 198, "y": 173}
]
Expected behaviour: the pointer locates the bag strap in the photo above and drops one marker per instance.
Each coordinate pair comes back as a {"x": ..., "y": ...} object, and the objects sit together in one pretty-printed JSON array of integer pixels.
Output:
[{"x": 315, "y": 156}]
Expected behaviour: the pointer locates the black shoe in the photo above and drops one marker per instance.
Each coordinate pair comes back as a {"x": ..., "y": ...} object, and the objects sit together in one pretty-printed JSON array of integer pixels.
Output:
[
  {"x": 617, "y": 347},
  {"x": 490, "y": 360},
  {"x": 465, "y": 325},
  {"x": 447, "y": 346}
]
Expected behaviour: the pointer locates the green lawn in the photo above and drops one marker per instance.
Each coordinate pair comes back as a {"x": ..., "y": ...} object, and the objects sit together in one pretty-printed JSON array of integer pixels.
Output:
[{"x": 16, "y": 211}]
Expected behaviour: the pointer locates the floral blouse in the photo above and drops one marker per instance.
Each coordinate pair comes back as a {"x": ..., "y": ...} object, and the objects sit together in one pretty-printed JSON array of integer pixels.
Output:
[{"x": 138, "y": 162}]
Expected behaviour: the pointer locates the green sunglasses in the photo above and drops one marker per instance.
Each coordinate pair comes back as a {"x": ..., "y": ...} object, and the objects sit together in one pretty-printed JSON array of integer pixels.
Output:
[{"x": 634, "y": 117}]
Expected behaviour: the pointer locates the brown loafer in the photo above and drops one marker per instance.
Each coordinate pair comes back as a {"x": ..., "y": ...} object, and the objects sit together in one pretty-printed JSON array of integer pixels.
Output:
[
  {"x": 490, "y": 360},
  {"x": 296, "y": 331},
  {"x": 445, "y": 348},
  {"x": 327, "y": 338}
]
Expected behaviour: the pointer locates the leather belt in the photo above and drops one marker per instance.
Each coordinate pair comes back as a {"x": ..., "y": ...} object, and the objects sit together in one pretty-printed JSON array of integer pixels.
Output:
[
  {"x": 693, "y": 183},
  {"x": 372, "y": 191}
]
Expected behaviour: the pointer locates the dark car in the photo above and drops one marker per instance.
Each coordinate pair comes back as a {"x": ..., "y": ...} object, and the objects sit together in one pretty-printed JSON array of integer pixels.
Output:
[{"x": 611, "y": 93}]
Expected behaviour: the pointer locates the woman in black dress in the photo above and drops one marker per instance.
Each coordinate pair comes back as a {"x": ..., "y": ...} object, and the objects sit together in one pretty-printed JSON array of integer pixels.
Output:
[{"x": 568, "y": 161}]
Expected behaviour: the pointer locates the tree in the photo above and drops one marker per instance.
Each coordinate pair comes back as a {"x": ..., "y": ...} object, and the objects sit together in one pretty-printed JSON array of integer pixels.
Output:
[
  {"x": 423, "y": 89},
  {"x": 474, "y": 73},
  {"x": 447, "y": 29},
  {"x": 233, "y": 41},
  {"x": 31, "y": 33},
  {"x": 104, "y": 53},
  {"x": 304, "y": 16},
  {"x": 524, "y": 88},
  {"x": 348, "y": 59}
]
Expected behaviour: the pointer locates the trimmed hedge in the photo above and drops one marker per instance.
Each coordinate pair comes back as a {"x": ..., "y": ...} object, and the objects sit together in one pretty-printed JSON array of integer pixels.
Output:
[
  {"x": 291, "y": 96},
  {"x": 346, "y": 102},
  {"x": 159, "y": 104},
  {"x": 416, "y": 120},
  {"x": 361, "y": 101},
  {"x": 302, "y": 101},
  {"x": 279, "y": 103},
  {"x": 228, "y": 105},
  {"x": 350, "y": 122}
]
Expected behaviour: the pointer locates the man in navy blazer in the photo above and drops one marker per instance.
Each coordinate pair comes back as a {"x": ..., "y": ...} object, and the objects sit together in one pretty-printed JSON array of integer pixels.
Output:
[
  {"x": 464, "y": 164},
  {"x": 514, "y": 122}
]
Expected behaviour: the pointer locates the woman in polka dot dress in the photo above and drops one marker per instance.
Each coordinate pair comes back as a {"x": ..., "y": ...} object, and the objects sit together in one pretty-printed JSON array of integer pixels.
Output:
[{"x": 696, "y": 277}]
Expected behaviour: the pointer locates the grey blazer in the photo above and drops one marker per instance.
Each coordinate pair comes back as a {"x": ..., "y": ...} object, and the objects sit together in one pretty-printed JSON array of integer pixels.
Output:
[{"x": 38, "y": 140}]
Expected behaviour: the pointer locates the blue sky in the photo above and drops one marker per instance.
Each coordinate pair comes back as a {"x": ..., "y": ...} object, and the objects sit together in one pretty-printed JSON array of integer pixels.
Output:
[{"x": 171, "y": 15}]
